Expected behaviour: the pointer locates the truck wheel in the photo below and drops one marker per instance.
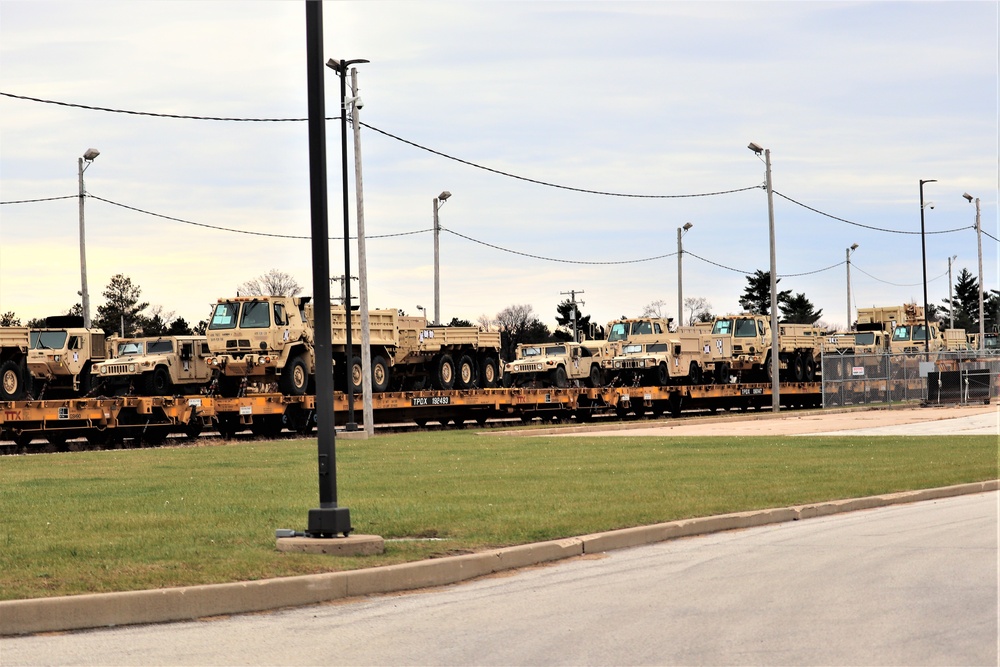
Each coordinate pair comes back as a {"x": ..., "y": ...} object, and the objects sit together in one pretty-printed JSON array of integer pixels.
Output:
[
  {"x": 156, "y": 383},
  {"x": 294, "y": 378},
  {"x": 466, "y": 377},
  {"x": 380, "y": 375},
  {"x": 799, "y": 367},
  {"x": 12, "y": 381},
  {"x": 595, "y": 378},
  {"x": 810, "y": 369},
  {"x": 356, "y": 374},
  {"x": 662, "y": 374},
  {"x": 694, "y": 373},
  {"x": 559, "y": 378},
  {"x": 488, "y": 372},
  {"x": 444, "y": 372}
]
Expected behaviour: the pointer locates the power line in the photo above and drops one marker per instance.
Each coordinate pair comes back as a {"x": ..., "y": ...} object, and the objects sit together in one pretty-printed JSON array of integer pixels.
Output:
[
  {"x": 32, "y": 201},
  {"x": 858, "y": 224},
  {"x": 854, "y": 264},
  {"x": 554, "y": 259}
]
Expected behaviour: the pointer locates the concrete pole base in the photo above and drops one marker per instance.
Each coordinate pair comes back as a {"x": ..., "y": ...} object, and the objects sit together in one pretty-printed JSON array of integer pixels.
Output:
[{"x": 353, "y": 545}]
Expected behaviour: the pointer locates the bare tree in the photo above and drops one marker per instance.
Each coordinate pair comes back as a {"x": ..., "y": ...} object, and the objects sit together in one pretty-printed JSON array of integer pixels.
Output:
[
  {"x": 272, "y": 283},
  {"x": 654, "y": 309},
  {"x": 9, "y": 319},
  {"x": 518, "y": 324},
  {"x": 696, "y": 307}
]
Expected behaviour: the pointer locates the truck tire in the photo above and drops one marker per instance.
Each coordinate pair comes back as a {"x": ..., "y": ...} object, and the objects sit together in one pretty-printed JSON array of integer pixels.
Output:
[
  {"x": 380, "y": 375},
  {"x": 559, "y": 378},
  {"x": 595, "y": 380},
  {"x": 13, "y": 381},
  {"x": 799, "y": 367},
  {"x": 355, "y": 374},
  {"x": 694, "y": 373},
  {"x": 662, "y": 374},
  {"x": 294, "y": 379},
  {"x": 488, "y": 372},
  {"x": 466, "y": 373},
  {"x": 156, "y": 383},
  {"x": 444, "y": 372}
]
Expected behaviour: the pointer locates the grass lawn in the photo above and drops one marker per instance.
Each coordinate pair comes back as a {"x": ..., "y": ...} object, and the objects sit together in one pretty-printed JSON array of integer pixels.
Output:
[{"x": 125, "y": 520}]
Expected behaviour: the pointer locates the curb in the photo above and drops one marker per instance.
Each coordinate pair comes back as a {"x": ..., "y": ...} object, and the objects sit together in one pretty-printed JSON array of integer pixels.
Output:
[{"x": 78, "y": 612}]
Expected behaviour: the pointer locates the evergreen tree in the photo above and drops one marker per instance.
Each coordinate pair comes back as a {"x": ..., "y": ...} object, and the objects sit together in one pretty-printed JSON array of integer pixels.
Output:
[
  {"x": 799, "y": 310},
  {"x": 122, "y": 310},
  {"x": 756, "y": 297},
  {"x": 179, "y": 327},
  {"x": 564, "y": 318},
  {"x": 9, "y": 319},
  {"x": 965, "y": 306}
]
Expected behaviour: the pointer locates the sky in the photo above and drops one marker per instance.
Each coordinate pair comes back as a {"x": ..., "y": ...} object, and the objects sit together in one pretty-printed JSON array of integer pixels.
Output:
[{"x": 575, "y": 138}]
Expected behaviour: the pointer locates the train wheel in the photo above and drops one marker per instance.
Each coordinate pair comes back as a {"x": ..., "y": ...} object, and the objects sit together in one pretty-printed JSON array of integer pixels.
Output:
[
  {"x": 380, "y": 374},
  {"x": 466, "y": 375},
  {"x": 444, "y": 375}
]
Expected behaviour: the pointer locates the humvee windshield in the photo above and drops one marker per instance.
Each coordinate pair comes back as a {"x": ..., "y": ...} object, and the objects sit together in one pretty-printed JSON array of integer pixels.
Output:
[
  {"x": 131, "y": 347},
  {"x": 48, "y": 340},
  {"x": 224, "y": 316},
  {"x": 159, "y": 347},
  {"x": 555, "y": 351},
  {"x": 531, "y": 351}
]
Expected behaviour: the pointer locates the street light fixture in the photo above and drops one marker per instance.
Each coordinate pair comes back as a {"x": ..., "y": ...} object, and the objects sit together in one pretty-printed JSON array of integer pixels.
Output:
[
  {"x": 775, "y": 396},
  {"x": 87, "y": 158},
  {"x": 424, "y": 311},
  {"x": 438, "y": 203},
  {"x": 923, "y": 254},
  {"x": 680, "y": 289},
  {"x": 850, "y": 251},
  {"x": 340, "y": 67},
  {"x": 979, "y": 242}
]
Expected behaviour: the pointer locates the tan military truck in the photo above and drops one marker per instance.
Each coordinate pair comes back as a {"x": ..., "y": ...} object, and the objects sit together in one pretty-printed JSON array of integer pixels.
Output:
[
  {"x": 799, "y": 353},
  {"x": 61, "y": 355},
  {"x": 15, "y": 380},
  {"x": 266, "y": 340},
  {"x": 155, "y": 366},
  {"x": 560, "y": 364}
]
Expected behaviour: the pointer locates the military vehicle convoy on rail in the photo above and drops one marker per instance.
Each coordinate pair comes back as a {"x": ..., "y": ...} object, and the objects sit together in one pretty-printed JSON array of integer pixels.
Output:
[
  {"x": 154, "y": 366},
  {"x": 268, "y": 340}
]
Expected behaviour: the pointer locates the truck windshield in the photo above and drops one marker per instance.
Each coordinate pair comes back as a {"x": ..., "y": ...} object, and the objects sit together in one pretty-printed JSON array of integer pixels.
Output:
[
  {"x": 722, "y": 327},
  {"x": 746, "y": 328},
  {"x": 919, "y": 332},
  {"x": 640, "y": 328},
  {"x": 864, "y": 338},
  {"x": 619, "y": 331},
  {"x": 256, "y": 315},
  {"x": 555, "y": 351},
  {"x": 632, "y": 349},
  {"x": 901, "y": 333},
  {"x": 224, "y": 316},
  {"x": 530, "y": 351},
  {"x": 48, "y": 340}
]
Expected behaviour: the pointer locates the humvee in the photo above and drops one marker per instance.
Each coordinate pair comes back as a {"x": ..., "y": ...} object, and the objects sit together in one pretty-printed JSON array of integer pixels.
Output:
[
  {"x": 155, "y": 366},
  {"x": 556, "y": 365}
]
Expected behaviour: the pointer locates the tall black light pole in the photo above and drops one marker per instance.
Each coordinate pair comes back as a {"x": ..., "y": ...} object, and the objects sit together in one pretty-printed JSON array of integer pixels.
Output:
[
  {"x": 328, "y": 520},
  {"x": 340, "y": 67},
  {"x": 923, "y": 254}
]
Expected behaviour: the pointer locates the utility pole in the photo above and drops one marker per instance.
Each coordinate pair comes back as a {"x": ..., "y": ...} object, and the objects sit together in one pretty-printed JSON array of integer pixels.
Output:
[
  {"x": 343, "y": 288},
  {"x": 951, "y": 303},
  {"x": 979, "y": 243},
  {"x": 366, "y": 350},
  {"x": 572, "y": 300}
]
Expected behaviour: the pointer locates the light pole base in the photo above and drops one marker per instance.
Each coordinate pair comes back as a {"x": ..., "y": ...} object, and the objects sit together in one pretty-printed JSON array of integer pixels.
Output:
[
  {"x": 329, "y": 522},
  {"x": 354, "y": 545}
]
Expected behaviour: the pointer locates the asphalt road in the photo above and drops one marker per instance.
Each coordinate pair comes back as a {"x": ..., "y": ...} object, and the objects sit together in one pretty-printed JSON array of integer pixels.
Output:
[{"x": 902, "y": 585}]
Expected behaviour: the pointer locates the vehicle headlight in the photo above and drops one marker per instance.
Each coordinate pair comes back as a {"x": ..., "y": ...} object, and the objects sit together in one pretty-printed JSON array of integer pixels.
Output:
[
  {"x": 131, "y": 368},
  {"x": 104, "y": 370}
]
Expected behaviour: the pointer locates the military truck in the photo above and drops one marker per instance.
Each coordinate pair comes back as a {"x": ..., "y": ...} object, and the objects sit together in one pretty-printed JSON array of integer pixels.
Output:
[
  {"x": 60, "y": 356},
  {"x": 856, "y": 342},
  {"x": 799, "y": 352},
  {"x": 556, "y": 365},
  {"x": 154, "y": 366},
  {"x": 268, "y": 340},
  {"x": 15, "y": 380}
]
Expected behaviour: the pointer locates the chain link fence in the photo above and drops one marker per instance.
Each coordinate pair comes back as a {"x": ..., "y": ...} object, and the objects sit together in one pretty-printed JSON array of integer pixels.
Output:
[{"x": 884, "y": 379}]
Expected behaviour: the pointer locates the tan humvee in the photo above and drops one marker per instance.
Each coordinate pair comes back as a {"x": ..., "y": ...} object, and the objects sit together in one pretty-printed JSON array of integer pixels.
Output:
[
  {"x": 559, "y": 364},
  {"x": 155, "y": 366}
]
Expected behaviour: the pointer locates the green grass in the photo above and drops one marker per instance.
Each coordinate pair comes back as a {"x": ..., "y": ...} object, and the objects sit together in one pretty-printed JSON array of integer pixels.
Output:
[{"x": 126, "y": 520}]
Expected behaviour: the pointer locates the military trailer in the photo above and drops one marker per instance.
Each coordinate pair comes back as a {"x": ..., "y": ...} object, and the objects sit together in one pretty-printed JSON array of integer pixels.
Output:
[
  {"x": 556, "y": 365},
  {"x": 155, "y": 366}
]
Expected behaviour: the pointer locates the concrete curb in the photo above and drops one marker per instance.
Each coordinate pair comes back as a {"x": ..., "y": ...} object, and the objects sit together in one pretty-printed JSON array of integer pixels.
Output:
[{"x": 80, "y": 612}]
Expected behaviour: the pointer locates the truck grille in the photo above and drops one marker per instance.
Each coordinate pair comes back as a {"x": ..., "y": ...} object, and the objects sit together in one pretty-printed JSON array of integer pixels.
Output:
[
  {"x": 241, "y": 345},
  {"x": 117, "y": 369},
  {"x": 528, "y": 368},
  {"x": 633, "y": 363}
]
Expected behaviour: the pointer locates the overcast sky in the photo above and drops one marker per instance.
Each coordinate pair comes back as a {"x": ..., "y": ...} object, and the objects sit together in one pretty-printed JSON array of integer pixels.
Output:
[{"x": 857, "y": 102}]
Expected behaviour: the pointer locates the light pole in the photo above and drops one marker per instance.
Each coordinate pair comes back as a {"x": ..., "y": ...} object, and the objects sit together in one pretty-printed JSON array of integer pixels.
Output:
[
  {"x": 775, "y": 397},
  {"x": 979, "y": 242},
  {"x": 438, "y": 203},
  {"x": 87, "y": 158},
  {"x": 680, "y": 282},
  {"x": 951, "y": 303},
  {"x": 854, "y": 246},
  {"x": 923, "y": 254},
  {"x": 424, "y": 311},
  {"x": 340, "y": 67}
]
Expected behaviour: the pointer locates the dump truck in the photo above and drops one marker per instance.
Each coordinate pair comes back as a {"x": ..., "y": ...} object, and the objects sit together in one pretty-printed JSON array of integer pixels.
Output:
[
  {"x": 154, "y": 366},
  {"x": 561, "y": 364},
  {"x": 15, "y": 380},
  {"x": 799, "y": 353},
  {"x": 267, "y": 341},
  {"x": 60, "y": 356}
]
